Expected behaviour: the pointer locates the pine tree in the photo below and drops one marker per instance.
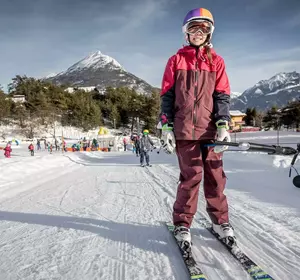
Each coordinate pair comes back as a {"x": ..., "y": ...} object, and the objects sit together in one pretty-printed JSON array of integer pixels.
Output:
[
  {"x": 250, "y": 116},
  {"x": 272, "y": 118},
  {"x": 290, "y": 115},
  {"x": 5, "y": 105}
]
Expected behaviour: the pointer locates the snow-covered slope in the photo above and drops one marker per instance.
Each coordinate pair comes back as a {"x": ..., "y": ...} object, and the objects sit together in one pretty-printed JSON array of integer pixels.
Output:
[
  {"x": 84, "y": 216},
  {"x": 98, "y": 70},
  {"x": 278, "y": 90}
]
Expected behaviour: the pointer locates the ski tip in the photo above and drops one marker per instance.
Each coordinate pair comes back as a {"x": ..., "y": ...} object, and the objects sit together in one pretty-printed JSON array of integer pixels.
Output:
[
  {"x": 198, "y": 277},
  {"x": 257, "y": 273}
]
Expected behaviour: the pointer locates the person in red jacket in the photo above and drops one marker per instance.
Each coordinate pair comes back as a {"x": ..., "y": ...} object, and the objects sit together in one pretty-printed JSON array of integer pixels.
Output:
[
  {"x": 7, "y": 150},
  {"x": 125, "y": 143},
  {"x": 31, "y": 149},
  {"x": 195, "y": 100}
]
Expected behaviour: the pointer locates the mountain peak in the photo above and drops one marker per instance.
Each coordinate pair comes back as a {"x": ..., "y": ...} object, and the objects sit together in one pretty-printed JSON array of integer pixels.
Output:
[
  {"x": 100, "y": 71},
  {"x": 96, "y": 60},
  {"x": 279, "y": 79},
  {"x": 96, "y": 53}
]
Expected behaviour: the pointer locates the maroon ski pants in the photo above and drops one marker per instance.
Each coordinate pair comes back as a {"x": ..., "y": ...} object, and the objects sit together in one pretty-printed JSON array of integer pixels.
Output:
[{"x": 196, "y": 162}]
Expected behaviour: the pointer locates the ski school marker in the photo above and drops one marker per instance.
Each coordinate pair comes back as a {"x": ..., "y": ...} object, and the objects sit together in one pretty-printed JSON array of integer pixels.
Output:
[{"x": 269, "y": 149}]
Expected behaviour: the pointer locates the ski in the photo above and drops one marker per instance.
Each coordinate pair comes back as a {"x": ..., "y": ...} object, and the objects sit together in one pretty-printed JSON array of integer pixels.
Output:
[
  {"x": 193, "y": 268},
  {"x": 255, "y": 272}
]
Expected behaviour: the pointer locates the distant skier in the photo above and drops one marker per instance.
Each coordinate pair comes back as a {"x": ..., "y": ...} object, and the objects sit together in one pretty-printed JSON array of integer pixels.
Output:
[
  {"x": 125, "y": 143},
  {"x": 195, "y": 98},
  {"x": 137, "y": 145},
  {"x": 38, "y": 144},
  {"x": 133, "y": 147},
  {"x": 31, "y": 149},
  {"x": 145, "y": 146},
  {"x": 84, "y": 144},
  {"x": 7, "y": 150},
  {"x": 50, "y": 147},
  {"x": 64, "y": 146},
  {"x": 56, "y": 144}
]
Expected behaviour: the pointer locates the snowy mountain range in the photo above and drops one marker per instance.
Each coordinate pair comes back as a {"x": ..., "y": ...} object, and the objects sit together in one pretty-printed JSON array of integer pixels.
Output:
[
  {"x": 278, "y": 90},
  {"x": 99, "y": 71}
]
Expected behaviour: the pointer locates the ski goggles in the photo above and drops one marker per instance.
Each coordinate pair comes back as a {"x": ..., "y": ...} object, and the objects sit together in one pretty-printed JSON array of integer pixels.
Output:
[{"x": 204, "y": 27}]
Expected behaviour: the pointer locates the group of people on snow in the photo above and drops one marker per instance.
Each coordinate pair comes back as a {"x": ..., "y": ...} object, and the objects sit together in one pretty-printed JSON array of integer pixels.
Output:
[{"x": 31, "y": 148}]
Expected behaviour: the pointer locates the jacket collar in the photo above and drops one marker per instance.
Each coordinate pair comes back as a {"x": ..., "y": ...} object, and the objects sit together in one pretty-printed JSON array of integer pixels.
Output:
[{"x": 191, "y": 50}]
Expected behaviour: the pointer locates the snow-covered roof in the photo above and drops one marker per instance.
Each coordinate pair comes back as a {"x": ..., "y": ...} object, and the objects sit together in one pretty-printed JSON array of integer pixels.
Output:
[{"x": 236, "y": 113}]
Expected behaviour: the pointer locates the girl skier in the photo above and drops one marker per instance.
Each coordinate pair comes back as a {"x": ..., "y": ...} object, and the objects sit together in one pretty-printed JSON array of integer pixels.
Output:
[{"x": 195, "y": 100}]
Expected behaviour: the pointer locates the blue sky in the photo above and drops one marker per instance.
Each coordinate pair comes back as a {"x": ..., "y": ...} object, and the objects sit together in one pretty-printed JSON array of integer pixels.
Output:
[{"x": 257, "y": 38}]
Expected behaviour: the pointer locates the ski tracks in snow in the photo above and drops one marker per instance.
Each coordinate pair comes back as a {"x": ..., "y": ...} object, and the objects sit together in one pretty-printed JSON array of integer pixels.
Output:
[{"x": 99, "y": 217}]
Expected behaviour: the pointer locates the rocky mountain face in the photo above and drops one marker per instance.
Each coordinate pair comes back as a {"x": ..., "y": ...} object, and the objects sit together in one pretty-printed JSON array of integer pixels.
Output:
[
  {"x": 278, "y": 90},
  {"x": 100, "y": 71}
]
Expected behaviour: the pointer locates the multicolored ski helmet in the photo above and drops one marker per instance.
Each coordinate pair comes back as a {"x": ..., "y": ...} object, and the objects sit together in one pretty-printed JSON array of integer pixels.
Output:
[
  {"x": 145, "y": 131},
  {"x": 199, "y": 14}
]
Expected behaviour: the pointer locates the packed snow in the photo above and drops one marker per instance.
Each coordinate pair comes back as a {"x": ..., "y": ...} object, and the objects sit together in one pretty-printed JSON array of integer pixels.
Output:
[{"x": 98, "y": 215}]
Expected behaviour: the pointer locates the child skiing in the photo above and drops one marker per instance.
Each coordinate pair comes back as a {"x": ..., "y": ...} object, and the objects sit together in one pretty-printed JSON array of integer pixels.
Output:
[
  {"x": 137, "y": 145},
  {"x": 31, "y": 149},
  {"x": 125, "y": 143},
  {"x": 195, "y": 100},
  {"x": 7, "y": 150},
  {"x": 145, "y": 146}
]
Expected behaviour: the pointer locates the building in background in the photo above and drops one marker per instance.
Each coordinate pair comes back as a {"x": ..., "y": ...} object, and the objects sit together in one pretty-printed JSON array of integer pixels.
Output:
[{"x": 236, "y": 119}]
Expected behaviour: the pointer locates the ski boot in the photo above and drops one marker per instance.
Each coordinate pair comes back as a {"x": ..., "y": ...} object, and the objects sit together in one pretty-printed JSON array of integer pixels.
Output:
[
  {"x": 226, "y": 234},
  {"x": 183, "y": 237}
]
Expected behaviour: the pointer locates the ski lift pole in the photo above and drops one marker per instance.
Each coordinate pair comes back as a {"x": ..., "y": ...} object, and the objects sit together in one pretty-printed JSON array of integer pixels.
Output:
[
  {"x": 269, "y": 149},
  {"x": 256, "y": 147}
]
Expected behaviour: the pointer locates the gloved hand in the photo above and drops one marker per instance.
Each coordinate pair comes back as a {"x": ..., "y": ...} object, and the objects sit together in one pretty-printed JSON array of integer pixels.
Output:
[
  {"x": 222, "y": 135},
  {"x": 167, "y": 138}
]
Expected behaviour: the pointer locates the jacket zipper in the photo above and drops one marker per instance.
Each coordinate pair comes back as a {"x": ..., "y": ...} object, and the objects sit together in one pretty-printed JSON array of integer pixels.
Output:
[{"x": 195, "y": 95}]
